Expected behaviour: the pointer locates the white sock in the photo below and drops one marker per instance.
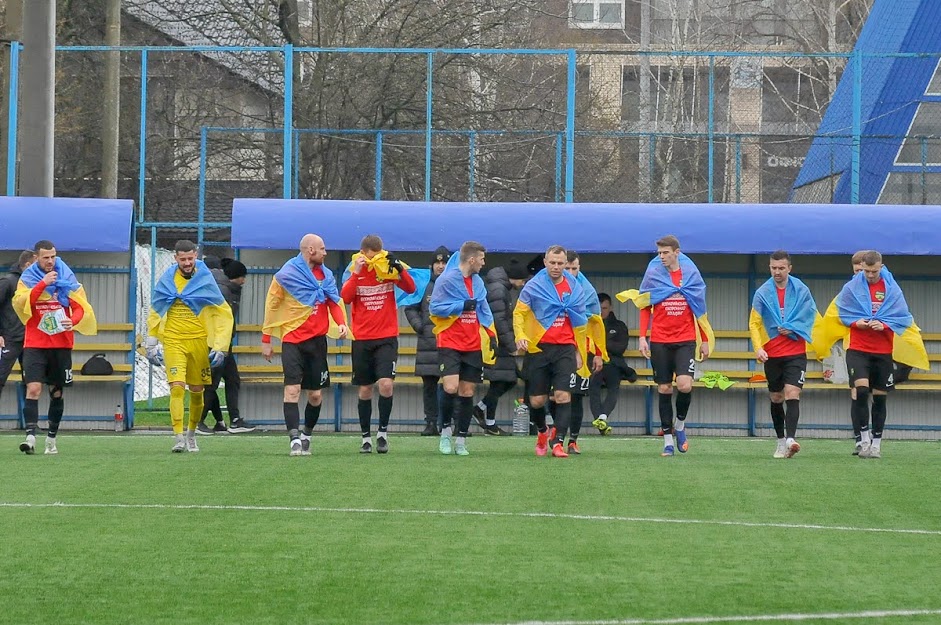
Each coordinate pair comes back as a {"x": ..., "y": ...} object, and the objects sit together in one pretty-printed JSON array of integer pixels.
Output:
[
  {"x": 877, "y": 443},
  {"x": 304, "y": 437},
  {"x": 781, "y": 442},
  {"x": 446, "y": 432},
  {"x": 789, "y": 442},
  {"x": 867, "y": 438},
  {"x": 491, "y": 422},
  {"x": 461, "y": 441},
  {"x": 367, "y": 438},
  {"x": 381, "y": 434},
  {"x": 603, "y": 417},
  {"x": 482, "y": 405},
  {"x": 680, "y": 425},
  {"x": 667, "y": 440}
]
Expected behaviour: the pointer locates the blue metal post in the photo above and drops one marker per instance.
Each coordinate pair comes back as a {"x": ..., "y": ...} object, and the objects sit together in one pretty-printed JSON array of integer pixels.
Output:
[
  {"x": 201, "y": 205},
  {"x": 559, "y": 139},
  {"x": 471, "y": 163},
  {"x": 924, "y": 167},
  {"x": 752, "y": 395},
  {"x": 570, "y": 130},
  {"x": 428, "y": 93},
  {"x": 12, "y": 115},
  {"x": 712, "y": 124},
  {"x": 142, "y": 155},
  {"x": 297, "y": 165},
  {"x": 379, "y": 165},
  {"x": 153, "y": 284},
  {"x": 857, "y": 123},
  {"x": 738, "y": 168},
  {"x": 288, "y": 118},
  {"x": 132, "y": 334}
]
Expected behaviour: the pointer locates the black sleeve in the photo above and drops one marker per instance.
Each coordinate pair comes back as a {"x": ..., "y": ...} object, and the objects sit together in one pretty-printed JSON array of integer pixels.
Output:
[
  {"x": 414, "y": 317},
  {"x": 617, "y": 340},
  {"x": 502, "y": 321},
  {"x": 7, "y": 290}
]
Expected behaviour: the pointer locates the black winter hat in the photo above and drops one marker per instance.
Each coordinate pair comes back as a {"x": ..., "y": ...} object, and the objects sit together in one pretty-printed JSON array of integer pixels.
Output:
[
  {"x": 233, "y": 269},
  {"x": 441, "y": 254},
  {"x": 212, "y": 261},
  {"x": 515, "y": 270}
]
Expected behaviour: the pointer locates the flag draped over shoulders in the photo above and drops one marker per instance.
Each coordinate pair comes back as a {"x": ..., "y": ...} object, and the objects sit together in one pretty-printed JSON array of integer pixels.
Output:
[
  {"x": 200, "y": 294},
  {"x": 293, "y": 294},
  {"x": 421, "y": 277},
  {"x": 378, "y": 263},
  {"x": 447, "y": 304},
  {"x": 657, "y": 286},
  {"x": 66, "y": 289},
  {"x": 539, "y": 306},
  {"x": 800, "y": 312},
  {"x": 595, "y": 324},
  {"x": 854, "y": 302}
]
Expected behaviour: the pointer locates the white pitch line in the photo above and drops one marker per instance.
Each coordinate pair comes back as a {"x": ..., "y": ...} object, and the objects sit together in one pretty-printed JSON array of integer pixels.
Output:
[
  {"x": 760, "y": 618},
  {"x": 480, "y": 513}
]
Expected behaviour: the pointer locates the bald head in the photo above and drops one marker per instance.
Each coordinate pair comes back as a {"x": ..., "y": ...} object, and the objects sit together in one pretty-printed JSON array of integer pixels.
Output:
[{"x": 313, "y": 249}]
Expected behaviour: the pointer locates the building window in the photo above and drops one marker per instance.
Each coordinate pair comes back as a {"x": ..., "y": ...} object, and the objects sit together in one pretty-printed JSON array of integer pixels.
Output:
[{"x": 596, "y": 14}]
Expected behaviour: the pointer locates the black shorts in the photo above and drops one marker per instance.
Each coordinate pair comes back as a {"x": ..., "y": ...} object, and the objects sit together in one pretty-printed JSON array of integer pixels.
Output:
[
  {"x": 577, "y": 385},
  {"x": 877, "y": 368},
  {"x": 374, "y": 359},
  {"x": 9, "y": 355},
  {"x": 786, "y": 370},
  {"x": 467, "y": 366},
  {"x": 305, "y": 363},
  {"x": 551, "y": 368},
  {"x": 669, "y": 359},
  {"x": 49, "y": 366}
]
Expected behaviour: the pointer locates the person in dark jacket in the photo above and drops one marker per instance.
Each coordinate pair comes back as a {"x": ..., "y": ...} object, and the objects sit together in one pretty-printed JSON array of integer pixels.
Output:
[
  {"x": 230, "y": 276},
  {"x": 500, "y": 283},
  {"x": 12, "y": 330},
  {"x": 426, "y": 357},
  {"x": 613, "y": 371}
]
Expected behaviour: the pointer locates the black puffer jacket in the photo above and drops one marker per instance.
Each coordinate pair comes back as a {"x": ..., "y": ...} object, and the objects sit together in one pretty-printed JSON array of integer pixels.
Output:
[
  {"x": 500, "y": 298},
  {"x": 419, "y": 317},
  {"x": 11, "y": 328}
]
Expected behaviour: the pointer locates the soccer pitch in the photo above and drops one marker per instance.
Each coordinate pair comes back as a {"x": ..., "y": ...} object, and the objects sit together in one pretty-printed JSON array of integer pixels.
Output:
[{"x": 243, "y": 533}]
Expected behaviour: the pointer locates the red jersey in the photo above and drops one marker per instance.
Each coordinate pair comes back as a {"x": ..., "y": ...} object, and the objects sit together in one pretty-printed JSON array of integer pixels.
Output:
[
  {"x": 464, "y": 334},
  {"x": 870, "y": 341},
  {"x": 373, "y": 314},
  {"x": 35, "y": 337},
  {"x": 781, "y": 345},
  {"x": 317, "y": 323},
  {"x": 673, "y": 320},
  {"x": 560, "y": 332}
]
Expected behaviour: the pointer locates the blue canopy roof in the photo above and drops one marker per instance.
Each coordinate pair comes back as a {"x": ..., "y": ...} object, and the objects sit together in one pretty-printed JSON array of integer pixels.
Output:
[
  {"x": 589, "y": 228},
  {"x": 72, "y": 224}
]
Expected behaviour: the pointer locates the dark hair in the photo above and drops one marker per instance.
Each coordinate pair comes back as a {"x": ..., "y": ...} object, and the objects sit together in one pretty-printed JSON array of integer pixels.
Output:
[
  {"x": 781, "y": 255},
  {"x": 668, "y": 240},
  {"x": 43, "y": 245},
  {"x": 26, "y": 257},
  {"x": 371, "y": 243},
  {"x": 555, "y": 249},
  {"x": 604, "y": 297},
  {"x": 571, "y": 255},
  {"x": 871, "y": 257},
  {"x": 184, "y": 246},
  {"x": 471, "y": 248}
]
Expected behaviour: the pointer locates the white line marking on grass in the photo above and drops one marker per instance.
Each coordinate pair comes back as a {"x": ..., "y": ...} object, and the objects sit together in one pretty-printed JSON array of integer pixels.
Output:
[
  {"x": 761, "y": 618},
  {"x": 480, "y": 513}
]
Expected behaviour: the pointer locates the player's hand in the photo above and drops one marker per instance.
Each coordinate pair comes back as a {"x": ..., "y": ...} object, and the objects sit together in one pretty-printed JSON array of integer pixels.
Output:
[
  {"x": 862, "y": 324},
  {"x": 267, "y": 350},
  {"x": 154, "y": 351},
  {"x": 50, "y": 277},
  {"x": 67, "y": 323},
  {"x": 2, "y": 343},
  {"x": 470, "y": 305},
  {"x": 643, "y": 347},
  {"x": 596, "y": 364},
  {"x": 395, "y": 263},
  {"x": 342, "y": 332},
  {"x": 876, "y": 325},
  {"x": 358, "y": 264},
  {"x": 704, "y": 350},
  {"x": 216, "y": 358},
  {"x": 522, "y": 345},
  {"x": 578, "y": 361},
  {"x": 784, "y": 332},
  {"x": 761, "y": 355}
]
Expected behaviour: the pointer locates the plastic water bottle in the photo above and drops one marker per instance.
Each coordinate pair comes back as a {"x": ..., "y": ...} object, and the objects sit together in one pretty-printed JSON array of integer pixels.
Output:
[
  {"x": 520, "y": 418},
  {"x": 118, "y": 419}
]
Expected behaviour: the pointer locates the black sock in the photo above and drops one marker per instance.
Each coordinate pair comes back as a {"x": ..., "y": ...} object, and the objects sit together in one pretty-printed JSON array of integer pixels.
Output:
[
  {"x": 56, "y": 408},
  {"x": 311, "y": 416},
  {"x": 538, "y": 416},
  {"x": 777, "y": 418},
  {"x": 385, "y": 412},
  {"x": 878, "y": 415},
  {"x": 292, "y": 416},
  {"x": 665, "y": 404},
  {"x": 364, "y": 407},
  {"x": 792, "y": 416},
  {"x": 861, "y": 404},
  {"x": 561, "y": 419},
  {"x": 578, "y": 415},
  {"x": 465, "y": 409},
  {"x": 447, "y": 409},
  {"x": 31, "y": 416},
  {"x": 683, "y": 400}
]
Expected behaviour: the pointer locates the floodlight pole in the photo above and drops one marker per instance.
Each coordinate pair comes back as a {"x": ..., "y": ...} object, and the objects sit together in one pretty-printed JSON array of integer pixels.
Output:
[{"x": 38, "y": 98}]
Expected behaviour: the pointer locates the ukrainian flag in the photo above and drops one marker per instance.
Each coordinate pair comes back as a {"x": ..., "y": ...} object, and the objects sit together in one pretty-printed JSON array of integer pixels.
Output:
[
  {"x": 539, "y": 306},
  {"x": 200, "y": 294},
  {"x": 800, "y": 313},
  {"x": 854, "y": 303},
  {"x": 378, "y": 263},
  {"x": 447, "y": 304},
  {"x": 657, "y": 286},
  {"x": 595, "y": 327},
  {"x": 66, "y": 289},
  {"x": 293, "y": 293}
]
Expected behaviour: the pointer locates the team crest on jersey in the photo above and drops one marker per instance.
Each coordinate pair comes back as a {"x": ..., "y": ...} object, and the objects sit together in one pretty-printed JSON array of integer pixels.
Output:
[
  {"x": 172, "y": 370},
  {"x": 880, "y": 295}
]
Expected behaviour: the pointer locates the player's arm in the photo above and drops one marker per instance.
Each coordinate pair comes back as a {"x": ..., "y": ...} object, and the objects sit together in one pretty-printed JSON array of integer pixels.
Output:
[
  {"x": 222, "y": 322},
  {"x": 405, "y": 282},
  {"x": 348, "y": 291},
  {"x": 519, "y": 325},
  {"x": 645, "y": 318}
]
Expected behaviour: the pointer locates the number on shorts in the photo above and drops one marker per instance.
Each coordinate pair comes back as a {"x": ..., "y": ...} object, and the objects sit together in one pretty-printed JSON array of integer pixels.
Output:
[
  {"x": 573, "y": 383},
  {"x": 890, "y": 381},
  {"x": 801, "y": 379},
  {"x": 692, "y": 365},
  {"x": 68, "y": 376},
  {"x": 585, "y": 383},
  {"x": 323, "y": 377}
]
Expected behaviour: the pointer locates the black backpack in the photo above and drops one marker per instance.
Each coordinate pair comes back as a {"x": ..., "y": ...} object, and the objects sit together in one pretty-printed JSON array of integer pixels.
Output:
[{"x": 97, "y": 365}]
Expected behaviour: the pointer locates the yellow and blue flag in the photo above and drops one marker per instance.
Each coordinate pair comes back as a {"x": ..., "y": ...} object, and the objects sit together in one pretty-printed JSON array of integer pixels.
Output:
[
  {"x": 293, "y": 293},
  {"x": 595, "y": 325},
  {"x": 378, "y": 263},
  {"x": 539, "y": 306},
  {"x": 66, "y": 289},
  {"x": 447, "y": 304},
  {"x": 201, "y": 295},
  {"x": 854, "y": 302},
  {"x": 800, "y": 312},
  {"x": 657, "y": 286}
]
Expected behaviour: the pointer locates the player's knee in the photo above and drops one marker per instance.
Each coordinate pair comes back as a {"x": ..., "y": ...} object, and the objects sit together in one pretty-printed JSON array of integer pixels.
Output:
[
  {"x": 879, "y": 392},
  {"x": 292, "y": 393},
  {"x": 862, "y": 393},
  {"x": 365, "y": 392},
  {"x": 684, "y": 384},
  {"x": 450, "y": 386},
  {"x": 562, "y": 397},
  {"x": 177, "y": 391},
  {"x": 385, "y": 387},
  {"x": 537, "y": 401},
  {"x": 777, "y": 397},
  {"x": 792, "y": 392},
  {"x": 55, "y": 392},
  {"x": 665, "y": 389},
  {"x": 33, "y": 390},
  {"x": 314, "y": 398}
]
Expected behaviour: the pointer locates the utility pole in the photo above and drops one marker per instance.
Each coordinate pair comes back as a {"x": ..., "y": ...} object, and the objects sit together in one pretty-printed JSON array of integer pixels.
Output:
[
  {"x": 110, "y": 134},
  {"x": 38, "y": 102},
  {"x": 13, "y": 31}
]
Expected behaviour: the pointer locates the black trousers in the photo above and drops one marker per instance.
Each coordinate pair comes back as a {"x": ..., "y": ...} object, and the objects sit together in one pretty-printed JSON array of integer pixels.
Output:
[
  {"x": 603, "y": 401},
  {"x": 229, "y": 371},
  {"x": 10, "y": 354}
]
